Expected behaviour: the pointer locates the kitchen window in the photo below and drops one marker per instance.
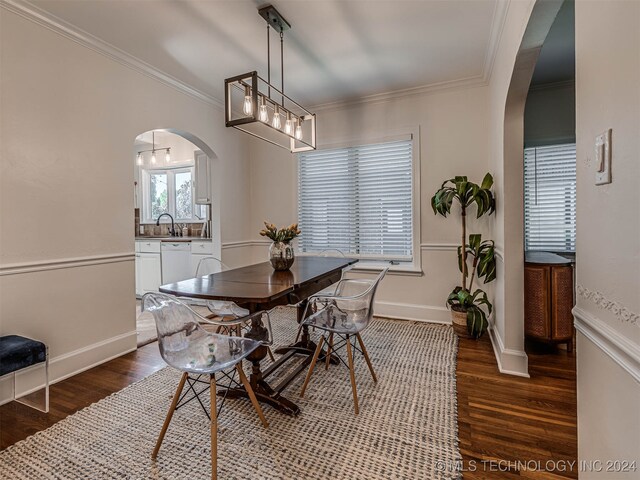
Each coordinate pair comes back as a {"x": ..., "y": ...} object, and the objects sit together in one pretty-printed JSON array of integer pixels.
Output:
[
  {"x": 169, "y": 191},
  {"x": 360, "y": 200},
  {"x": 550, "y": 198}
]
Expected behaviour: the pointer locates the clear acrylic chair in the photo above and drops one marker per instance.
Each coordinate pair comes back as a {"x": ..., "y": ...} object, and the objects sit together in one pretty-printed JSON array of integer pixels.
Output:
[
  {"x": 220, "y": 308},
  {"x": 186, "y": 346},
  {"x": 344, "y": 315}
]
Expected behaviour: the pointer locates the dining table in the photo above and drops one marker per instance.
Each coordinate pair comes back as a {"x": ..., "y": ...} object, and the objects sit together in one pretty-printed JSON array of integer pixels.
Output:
[{"x": 259, "y": 287}]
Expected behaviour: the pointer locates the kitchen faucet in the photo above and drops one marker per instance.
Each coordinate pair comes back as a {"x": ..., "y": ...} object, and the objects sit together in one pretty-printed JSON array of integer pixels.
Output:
[{"x": 172, "y": 231}]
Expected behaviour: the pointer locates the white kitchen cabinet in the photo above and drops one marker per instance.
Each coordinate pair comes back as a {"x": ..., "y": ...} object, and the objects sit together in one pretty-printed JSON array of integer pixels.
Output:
[
  {"x": 148, "y": 266},
  {"x": 203, "y": 178},
  {"x": 148, "y": 273},
  {"x": 200, "y": 250}
]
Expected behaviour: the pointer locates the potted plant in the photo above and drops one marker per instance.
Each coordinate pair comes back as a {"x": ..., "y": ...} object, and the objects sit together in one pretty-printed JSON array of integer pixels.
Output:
[
  {"x": 281, "y": 251},
  {"x": 469, "y": 309}
]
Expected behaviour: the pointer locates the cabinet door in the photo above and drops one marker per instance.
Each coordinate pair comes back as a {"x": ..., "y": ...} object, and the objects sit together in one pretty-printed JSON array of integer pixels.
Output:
[
  {"x": 537, "y": 308},
  {"x": 203, "y": 179},
  {"x": 562, "y": 303},
  {"x": 150, "y": 272},
  {"x": 138, "y": 285}
]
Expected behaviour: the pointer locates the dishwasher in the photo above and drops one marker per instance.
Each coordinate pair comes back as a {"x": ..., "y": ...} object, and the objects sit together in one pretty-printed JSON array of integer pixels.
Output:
[{"x": 176, "y": 261}]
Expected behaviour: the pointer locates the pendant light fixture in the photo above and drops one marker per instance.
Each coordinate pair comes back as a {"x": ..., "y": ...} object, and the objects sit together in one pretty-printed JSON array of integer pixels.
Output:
[
  {"x": 258, "y": 108},
  {"x": 154, "y": 159}
]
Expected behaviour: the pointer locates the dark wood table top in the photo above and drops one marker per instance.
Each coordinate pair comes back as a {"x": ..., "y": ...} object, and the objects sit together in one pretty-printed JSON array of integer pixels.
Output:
[{"x": 258, "y": 283}]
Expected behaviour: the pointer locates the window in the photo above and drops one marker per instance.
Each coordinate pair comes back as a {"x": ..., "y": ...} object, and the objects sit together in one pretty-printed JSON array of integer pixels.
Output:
[
  {"x": 170, "y": 191},
  {"x": 550, "y": 198},
  {"x": 358, "y": 200}
]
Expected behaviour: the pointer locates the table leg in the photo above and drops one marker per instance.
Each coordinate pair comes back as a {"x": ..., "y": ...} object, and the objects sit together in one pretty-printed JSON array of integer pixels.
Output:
[
  {"x": 263, "y": 391},
  {"x": 305, "y": 346}
]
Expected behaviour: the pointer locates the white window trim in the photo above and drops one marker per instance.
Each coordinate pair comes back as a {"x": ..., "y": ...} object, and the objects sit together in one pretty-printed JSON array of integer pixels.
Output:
[
  {"x": 413, "y": 267},
  {"x": 171, "y": 172}
]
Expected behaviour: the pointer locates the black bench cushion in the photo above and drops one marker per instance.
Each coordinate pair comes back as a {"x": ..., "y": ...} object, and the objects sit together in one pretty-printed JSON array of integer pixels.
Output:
[{"x": 18, "y": 352}]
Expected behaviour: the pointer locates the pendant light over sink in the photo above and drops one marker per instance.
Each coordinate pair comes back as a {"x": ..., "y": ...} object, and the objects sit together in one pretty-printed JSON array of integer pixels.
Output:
[
  {"x": 154, "y": 161},
  {"x": 258, "y": 108}
]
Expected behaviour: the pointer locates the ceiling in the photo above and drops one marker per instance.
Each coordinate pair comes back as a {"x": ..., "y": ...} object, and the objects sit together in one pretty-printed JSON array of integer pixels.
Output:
[
  {"x": 335, "y": 51},
  {"x": 557, "y": 60}
]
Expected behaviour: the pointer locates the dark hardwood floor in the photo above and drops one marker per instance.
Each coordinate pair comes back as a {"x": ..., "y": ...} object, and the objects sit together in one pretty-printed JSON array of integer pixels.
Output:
[
  {"x": 502, "y": 419},
  {"x": 18, "y": 421}
]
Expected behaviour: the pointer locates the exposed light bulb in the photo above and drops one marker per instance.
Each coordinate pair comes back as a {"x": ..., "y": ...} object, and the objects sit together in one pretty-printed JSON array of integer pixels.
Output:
[
  {"x": 276, "y": 122},
  {"x": 247, "y": 107},
  {"x": 298, "y": 134},
  {"x": 139, "y": 161},
  {"x": 263, "y": 113},
  {"x": 153, "y": 157},
  {"x": 167, "y": 156},
  {"x": 288, "y": 126}
]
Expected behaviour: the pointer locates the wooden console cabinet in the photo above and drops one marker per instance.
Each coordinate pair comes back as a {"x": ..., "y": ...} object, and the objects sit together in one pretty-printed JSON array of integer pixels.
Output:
[{"x": 548, "y": 298}]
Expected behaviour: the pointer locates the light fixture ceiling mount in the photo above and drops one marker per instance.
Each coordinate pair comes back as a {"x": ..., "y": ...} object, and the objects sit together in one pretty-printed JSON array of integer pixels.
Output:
[
  {"x": 255, "y": 106},
  {"x": 153, "y": 149}
]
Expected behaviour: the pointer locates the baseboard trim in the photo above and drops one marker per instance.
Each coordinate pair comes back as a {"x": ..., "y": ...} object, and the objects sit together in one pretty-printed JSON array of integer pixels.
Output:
[
  {"x": 510, "y": 362},
  {"x": 410, "y": 311},
  {"x": 620, "y": 349},
  {"x": 77, "y": 361}
]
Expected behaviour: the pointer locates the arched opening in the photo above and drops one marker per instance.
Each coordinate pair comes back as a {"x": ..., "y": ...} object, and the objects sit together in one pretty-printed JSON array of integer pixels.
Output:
[
  {"x": 540, "y": 22},
  {"x": 177, "y": 212}
]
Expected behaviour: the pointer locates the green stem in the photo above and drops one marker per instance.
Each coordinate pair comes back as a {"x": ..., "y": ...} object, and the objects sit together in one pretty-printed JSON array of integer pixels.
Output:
[
  {"x": 464, "y": 248},
  {"x": 473, "y": 272}
]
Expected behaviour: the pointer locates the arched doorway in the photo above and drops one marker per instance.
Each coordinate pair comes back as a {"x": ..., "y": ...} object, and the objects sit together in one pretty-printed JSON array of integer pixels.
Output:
[
  {"x": 510, "y": 293},
  {"x": 177, "y": 211}
]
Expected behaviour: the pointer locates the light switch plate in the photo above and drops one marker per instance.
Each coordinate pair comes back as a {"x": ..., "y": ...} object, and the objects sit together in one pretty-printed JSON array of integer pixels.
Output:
[{"x": 603, "y": 158}]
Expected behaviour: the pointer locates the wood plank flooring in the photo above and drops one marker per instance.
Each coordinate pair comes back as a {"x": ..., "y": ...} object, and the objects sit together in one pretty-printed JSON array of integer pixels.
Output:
[{"x": 502, "y": 419}]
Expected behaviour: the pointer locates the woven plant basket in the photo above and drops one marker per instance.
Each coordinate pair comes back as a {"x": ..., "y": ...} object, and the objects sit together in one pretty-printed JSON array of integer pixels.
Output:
[{"x": 459, "y": 322}]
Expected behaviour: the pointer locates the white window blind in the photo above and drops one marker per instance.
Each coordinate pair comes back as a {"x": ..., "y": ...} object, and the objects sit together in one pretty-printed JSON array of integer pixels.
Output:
[
  {"x": 358, "y": 200},
  {"x": 550, "y": 198}
]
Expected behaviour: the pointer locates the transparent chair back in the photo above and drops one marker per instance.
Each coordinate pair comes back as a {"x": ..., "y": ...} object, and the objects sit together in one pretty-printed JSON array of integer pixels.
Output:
[
  {"x": 209, "y": 265},
  {"x": 220, "y": 308},
  {"x": 187, "y": 346},
  {"x": 350, "y": 309}
]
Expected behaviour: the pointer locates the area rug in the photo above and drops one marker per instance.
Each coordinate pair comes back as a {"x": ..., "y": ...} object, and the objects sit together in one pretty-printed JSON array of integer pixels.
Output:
[{"x": 406, "y": 428}]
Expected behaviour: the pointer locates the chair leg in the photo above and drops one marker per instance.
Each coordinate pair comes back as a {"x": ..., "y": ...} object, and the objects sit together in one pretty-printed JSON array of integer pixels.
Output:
[
  {"x": 214, "y": 427},
  {"x": 313, "y": 364},
  {"x": 273, "y": 359},
  {"x": 252, "y": 396},
  {"x": 329, "y": 348},
  {"x": 366, "y": 357},
  {"x": 167, "y": 420},
  {"x": 352, "y": 375}
]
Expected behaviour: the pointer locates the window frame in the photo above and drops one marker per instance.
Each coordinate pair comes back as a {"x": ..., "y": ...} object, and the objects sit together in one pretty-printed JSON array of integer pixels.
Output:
[
  {"x": 145, "y": 174},
  {"x": 410, "y": 267}
]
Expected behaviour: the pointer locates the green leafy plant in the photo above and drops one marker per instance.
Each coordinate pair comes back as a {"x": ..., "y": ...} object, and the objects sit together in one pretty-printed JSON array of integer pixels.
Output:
[{"x": 483, "y": 265}]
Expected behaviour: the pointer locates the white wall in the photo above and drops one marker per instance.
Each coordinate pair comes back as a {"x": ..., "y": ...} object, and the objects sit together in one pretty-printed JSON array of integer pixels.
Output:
[
  {"x": 608, "y": 235},
  {"x": 508, "y": 326},
  {"x": 453, "y": 141},
  {"x": 69, "y": 118}
]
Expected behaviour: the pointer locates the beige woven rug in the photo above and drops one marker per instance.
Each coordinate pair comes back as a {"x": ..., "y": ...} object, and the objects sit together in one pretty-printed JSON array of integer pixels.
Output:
[{"x": 406, "y": 428}]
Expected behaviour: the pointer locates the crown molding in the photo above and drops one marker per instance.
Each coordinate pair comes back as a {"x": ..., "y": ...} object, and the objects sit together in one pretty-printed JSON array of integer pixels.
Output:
[
  {"x": 553, "y": 85},
  {"x": 71, "y": 32},
  {"x": 497, "y": 27},
  {"x": 481, "y": 80}
]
